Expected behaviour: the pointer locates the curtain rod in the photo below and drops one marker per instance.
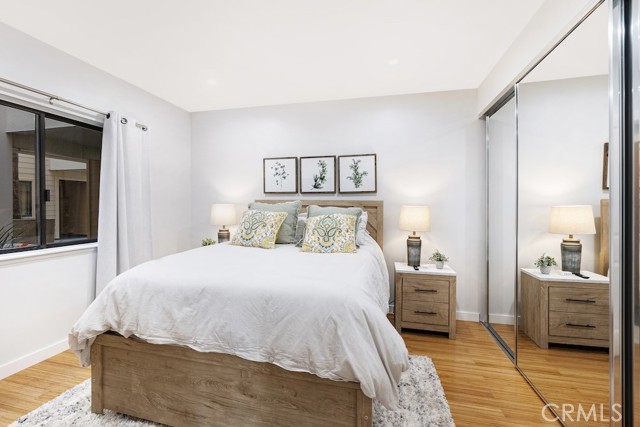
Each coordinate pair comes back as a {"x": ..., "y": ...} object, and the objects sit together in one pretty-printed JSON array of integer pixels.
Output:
[{"x": 53, "y": 97}]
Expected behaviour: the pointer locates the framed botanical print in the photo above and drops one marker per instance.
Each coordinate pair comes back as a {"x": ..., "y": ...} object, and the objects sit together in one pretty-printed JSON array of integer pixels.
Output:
[
  {"x": 318, "y": 174},
  {"x": 357, "y": 173},
  {"x": 280, "y": 175}
]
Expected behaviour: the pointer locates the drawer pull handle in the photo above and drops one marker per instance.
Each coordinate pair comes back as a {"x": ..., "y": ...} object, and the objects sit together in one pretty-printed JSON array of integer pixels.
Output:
[
  {"x": 578, "y": 325},
  {"x": 583, "y": 301},
  {"x": 433, "y": 291},
  {"x": 425, "y": 312}
]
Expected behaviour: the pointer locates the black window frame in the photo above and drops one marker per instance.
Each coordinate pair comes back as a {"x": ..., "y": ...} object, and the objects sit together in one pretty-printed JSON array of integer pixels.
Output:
[{"x": 40, "y": 174}]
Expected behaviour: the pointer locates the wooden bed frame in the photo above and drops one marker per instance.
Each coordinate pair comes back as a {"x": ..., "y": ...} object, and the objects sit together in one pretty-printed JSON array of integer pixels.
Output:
[{"x": 182, "y": 387}]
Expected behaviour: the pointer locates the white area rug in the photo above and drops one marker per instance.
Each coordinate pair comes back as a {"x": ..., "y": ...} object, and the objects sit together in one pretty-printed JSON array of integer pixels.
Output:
[{"x": 422, "y": 404}]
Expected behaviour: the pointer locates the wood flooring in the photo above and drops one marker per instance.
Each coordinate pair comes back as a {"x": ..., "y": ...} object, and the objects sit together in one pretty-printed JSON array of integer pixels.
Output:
[
  {"x": 482, "y": 386},
  {"x": 23, "y": 392},
  {"x": 565, "y": 374}
]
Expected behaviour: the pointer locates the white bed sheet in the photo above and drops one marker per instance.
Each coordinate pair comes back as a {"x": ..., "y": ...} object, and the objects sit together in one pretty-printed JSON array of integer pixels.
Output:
[{"x": 319, "y": 313}]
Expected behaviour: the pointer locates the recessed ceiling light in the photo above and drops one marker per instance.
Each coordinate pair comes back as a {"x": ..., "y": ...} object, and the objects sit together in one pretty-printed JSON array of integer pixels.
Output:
[
  {"x": 394, "y": 61},
  {"x": 212, "y": 82}
]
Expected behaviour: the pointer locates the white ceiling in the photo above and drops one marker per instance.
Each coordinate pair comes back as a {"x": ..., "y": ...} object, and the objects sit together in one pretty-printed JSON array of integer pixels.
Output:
[{"x": 216, "y": 54}]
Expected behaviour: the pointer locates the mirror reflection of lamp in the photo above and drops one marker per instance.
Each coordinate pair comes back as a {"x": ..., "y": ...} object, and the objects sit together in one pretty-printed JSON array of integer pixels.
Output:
[
  {"x": 223, "y": 214},
  {"x": 414, "y": 218},
  {"x": 576, "y": 219}
]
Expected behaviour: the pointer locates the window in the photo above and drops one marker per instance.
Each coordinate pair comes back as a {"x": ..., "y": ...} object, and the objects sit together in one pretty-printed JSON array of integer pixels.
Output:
[{"x": 49, "y": 179}]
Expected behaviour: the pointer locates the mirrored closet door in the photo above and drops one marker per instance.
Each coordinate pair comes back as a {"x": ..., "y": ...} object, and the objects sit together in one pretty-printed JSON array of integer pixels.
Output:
[
  {"x": 548, "y": 226},
  {"x": 501, "y": 224}
]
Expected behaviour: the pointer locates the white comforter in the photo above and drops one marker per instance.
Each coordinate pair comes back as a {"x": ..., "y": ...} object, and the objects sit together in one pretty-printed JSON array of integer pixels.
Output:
[{"x": 318, "y": 313}]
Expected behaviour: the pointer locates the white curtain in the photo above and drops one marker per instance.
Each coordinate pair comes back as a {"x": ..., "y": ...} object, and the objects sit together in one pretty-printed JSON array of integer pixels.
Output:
[{"x": 124, "y": 234}]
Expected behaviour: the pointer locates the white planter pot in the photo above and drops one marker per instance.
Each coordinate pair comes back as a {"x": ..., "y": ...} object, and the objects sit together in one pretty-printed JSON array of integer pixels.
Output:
[
  {"x": 546, "y": 269},
  {"x": 440, "y": 265}
]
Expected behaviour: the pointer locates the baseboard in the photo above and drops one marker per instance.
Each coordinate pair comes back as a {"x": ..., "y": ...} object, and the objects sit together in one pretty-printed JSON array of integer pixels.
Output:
[
  {"x": 31, "y": 359},
  {"x": 501, "y": 319},
  {"x": 468, "y": 316}
]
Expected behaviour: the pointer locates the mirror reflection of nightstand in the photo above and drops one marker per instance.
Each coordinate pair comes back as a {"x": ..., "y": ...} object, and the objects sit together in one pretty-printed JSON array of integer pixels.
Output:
[{"x": 565, "y": 309}]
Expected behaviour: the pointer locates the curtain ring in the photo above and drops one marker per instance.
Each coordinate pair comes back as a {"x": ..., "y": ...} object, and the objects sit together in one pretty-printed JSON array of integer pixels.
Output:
[
  {"x": 123, "y": 121},
  {"x": 144, "y": 128}
]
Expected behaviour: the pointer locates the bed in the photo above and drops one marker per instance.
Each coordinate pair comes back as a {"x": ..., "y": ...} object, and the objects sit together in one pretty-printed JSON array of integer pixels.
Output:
[{"x": 313, "y": 355}]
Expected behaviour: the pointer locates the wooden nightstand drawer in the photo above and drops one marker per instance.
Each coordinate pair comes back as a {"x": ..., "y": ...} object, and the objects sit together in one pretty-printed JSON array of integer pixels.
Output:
[
  {"x": 433, "y": 313},
  {"x": 579, "y": 325},
  {"x": 593, "y": 301},
  {"x": 419, "y": 289}
]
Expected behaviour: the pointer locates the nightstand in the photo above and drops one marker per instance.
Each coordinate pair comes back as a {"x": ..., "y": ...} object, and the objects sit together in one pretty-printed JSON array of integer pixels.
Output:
[
  {"x": 426, "y": 298},
  {"x": 565, "y": 309}
]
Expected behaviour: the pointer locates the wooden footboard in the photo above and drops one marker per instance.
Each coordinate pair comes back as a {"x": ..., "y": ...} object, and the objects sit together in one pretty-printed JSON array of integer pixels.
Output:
[{"x": 182, "y": 387}]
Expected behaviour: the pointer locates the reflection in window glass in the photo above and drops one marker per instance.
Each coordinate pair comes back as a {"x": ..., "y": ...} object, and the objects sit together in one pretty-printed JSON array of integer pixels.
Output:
[
  {"x": 17, "y": 172},
  {"x": 25, "y": 199},
  {"x": 72, "y": 181}
]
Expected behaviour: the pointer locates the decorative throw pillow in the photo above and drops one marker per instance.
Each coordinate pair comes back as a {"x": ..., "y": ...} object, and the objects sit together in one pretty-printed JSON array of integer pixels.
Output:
[
  {"x": 287, "y": 233},
  {"x": 258, "y": 229},
  {"x": 330, "y": 234},
  {"x": 361, "y": 215}
]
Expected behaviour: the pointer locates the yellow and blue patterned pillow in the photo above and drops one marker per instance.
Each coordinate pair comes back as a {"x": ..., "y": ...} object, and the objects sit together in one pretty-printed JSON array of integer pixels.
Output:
[
  {"x": 259, "y": 229},
  {"x": 330, "y": 234}
]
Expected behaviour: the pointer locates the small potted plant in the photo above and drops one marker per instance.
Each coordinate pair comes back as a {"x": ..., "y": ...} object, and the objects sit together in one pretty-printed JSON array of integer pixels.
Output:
[
  {"x": 545, "y": 262},
  {"x": 439, "y": 258},
  {"x": 208, "y": 242}
]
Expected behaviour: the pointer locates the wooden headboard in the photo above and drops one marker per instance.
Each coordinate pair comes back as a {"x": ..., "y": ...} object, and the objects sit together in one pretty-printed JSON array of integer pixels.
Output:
[{"x": 375, "y": 209}]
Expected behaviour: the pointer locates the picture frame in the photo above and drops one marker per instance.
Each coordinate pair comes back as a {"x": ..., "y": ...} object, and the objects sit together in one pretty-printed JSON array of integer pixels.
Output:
[
  {"x": 357, "y": 173},
  {"x": 280, "y": 175},
  {"x": 605, "y": 166},
  {"x": 317, "y": 175}
]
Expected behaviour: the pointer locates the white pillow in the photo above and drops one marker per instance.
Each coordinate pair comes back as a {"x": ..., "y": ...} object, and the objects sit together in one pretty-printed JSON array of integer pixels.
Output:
[
  {"x": 361, "y": 232},
  {"x": 300, "y": 228}
]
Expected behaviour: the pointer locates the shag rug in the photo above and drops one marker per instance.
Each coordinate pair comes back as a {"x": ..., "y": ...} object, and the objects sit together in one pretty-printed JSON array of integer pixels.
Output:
[{"x": 422, "y": 404}]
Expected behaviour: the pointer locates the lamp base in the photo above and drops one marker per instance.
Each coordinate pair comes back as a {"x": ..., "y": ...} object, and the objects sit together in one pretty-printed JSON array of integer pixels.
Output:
[
  {"x": 414, "y": 245},
  {"x": 224, "y": 235},
  {"x": 571, "y": 252}
]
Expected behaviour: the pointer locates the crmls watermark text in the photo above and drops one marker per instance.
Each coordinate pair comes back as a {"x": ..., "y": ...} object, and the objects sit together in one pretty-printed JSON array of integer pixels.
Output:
[{"x": 576, "y": 413}]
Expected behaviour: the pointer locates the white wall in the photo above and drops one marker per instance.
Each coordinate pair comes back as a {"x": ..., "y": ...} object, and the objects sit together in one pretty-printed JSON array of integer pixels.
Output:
[
  {"x": 562, "y": 125},
  {"x": 430, "y": 151},
  {"x": 57, "y": 290},
  {"x": 41, "y": 297}
]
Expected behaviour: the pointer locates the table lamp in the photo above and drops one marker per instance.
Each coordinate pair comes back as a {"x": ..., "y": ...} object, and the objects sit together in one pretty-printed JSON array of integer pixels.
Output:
[
  {"x": 223, "y": 214},
  {"x": 577, "y": 219},
  {"x": 414, "y": 218}
]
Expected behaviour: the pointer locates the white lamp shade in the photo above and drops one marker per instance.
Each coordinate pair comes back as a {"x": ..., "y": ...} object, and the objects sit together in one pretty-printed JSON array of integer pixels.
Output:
[
  {"x": 576, "y": 219},
  {"x": 415, "y": 218},
  {"x": 223, "y": 214}
]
